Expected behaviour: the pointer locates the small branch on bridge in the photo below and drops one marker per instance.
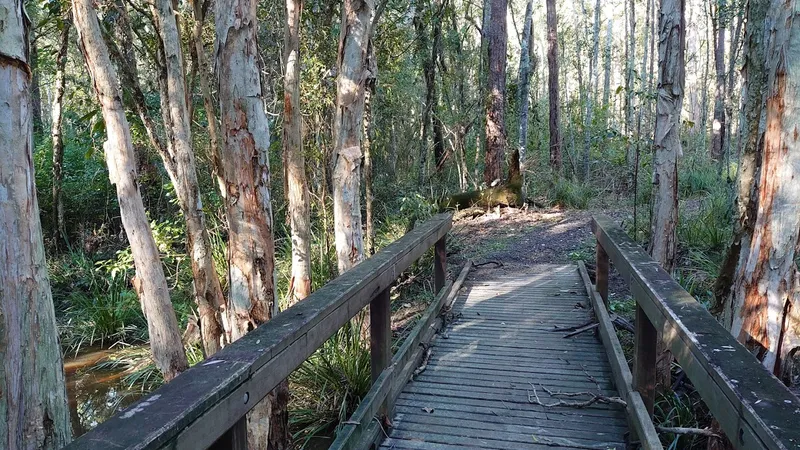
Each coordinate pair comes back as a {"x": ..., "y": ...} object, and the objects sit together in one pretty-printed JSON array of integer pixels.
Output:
[
  {"x": 496, "y": 263},
  {"x": 593, "y": 398},
  {"x": 688, "y": 431},
  {"x": 425, "y": 359}
]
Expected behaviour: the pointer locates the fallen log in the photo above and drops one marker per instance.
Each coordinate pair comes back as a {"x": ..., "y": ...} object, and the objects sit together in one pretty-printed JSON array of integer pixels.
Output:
[{"x": 502, "y": 195}]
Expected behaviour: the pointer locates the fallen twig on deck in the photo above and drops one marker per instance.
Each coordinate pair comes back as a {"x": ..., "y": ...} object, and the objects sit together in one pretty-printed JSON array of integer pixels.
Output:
[
  {"x": 426, "y": 357},
  {"x": 582, "y": 329},
  {"x": 688, "y": 431},
  {"x": 497, "y": 263},
  {"x": 594, "y": 398}
]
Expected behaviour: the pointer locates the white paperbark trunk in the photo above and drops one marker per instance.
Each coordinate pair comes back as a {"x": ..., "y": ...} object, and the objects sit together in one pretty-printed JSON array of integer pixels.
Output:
[
  {"x": 356, "y": 30},
  {"x": 151, "y": 285},
  {"x": 299, "y": 212},
  {"x": 33, "y": 404}
]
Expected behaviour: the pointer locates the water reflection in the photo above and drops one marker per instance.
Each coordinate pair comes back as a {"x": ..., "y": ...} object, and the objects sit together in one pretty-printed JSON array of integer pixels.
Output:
[{"x": 95, "y": 395}]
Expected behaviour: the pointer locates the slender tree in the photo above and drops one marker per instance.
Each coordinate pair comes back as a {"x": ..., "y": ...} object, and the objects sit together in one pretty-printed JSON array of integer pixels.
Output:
[
  {"x": 180, "y": 163},
  {"x": 348, "y": 126},
  {"x": 150, "y": 283},
  {"x": 764, "y": 307},
  {"x": 56, "y": 131},
  {"x": 525, "y": 53},
  {"x": 33, "y": 404},
  {"x": 718, "y": 127},
  {"x": 552, "y": 88},
  {"x": 299, "y": 210},
  {"x": 664, "y": 220},
  {"x": 495, "y": 106}
]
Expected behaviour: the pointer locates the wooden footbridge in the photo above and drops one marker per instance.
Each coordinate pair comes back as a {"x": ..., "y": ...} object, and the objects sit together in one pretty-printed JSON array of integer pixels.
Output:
[{"x": 487, "y": 366}]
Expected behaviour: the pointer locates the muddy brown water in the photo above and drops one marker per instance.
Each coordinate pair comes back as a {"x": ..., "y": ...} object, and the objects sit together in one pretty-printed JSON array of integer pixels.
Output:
[{"x": 95, "y": 395}]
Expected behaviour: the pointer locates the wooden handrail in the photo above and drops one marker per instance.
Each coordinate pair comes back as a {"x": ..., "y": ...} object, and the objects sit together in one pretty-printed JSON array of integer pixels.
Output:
[
  {"x": 206, "y": 405},
  {"x": 754, "y": 409}
]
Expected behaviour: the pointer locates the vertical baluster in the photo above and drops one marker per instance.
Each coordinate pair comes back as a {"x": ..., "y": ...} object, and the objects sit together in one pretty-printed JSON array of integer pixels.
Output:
[
  {"x": 601, "y": 273},
  {"x": 644, "y": 370},
  {"x": 233, "y": 439},
  {"x": 380, "y": 336},
  {"x": 440, "y": 264}
]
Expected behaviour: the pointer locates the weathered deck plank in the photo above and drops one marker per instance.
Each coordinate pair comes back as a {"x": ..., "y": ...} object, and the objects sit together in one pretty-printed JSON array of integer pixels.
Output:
[{"x": 475, "y": 390}]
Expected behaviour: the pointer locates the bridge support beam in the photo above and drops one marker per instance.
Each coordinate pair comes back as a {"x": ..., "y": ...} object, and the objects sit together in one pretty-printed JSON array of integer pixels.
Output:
[
  {"x": 601, "y": 273},
  {"x": 440, "y": 264},
  {"x": 644, "y": 369}
]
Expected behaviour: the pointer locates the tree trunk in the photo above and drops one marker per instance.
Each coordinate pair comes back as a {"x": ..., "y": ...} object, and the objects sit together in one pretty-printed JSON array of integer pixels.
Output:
[
  {"x": 607, "y": 67},
  {"x": 36, "y": 91},
  {"x": 753, "y": 95},
  {"x": 352, "y": 59},
  {"x": 436, "y": 119},
  {"x": 199, "y": 10},
  {"x": 552, "y": 88},
  {"x": 593, "y": 81},
  {"x": 244, "y": 167},
  {"x": 56, "y": 133},
  {"x": 180, "y": 164},
  {"x": 704, "y": 94},
  {"x": 718, "y": 124},
  {"x": 734, "y": 53},
  {"x": 150, "y": 283},
  {"x": 765, "y": 306},
  {"x": 33, "y": 404},
  {"x": 429, "y": 74},
  {"x": 630, "y": 83},
  {"x": 524, "y": 84},
  {"x": 495, "y": 106},
  {"x": 299, "y": 209},
  {"x": 369, "y": 94},
  {"x": 672, "y": 42}
]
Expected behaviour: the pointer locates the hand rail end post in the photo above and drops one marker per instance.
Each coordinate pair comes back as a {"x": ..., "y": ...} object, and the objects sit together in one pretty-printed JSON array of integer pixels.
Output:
[
  {"x": 601, "y": 273},
  {"x": 644, "y": 370},
  {"x": 380, "y": 335},
  {"x": 440, "y": 264}
]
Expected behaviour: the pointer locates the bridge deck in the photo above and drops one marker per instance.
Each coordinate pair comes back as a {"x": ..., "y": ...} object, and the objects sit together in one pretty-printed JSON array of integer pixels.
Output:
[{"x": 477, "y": 390}]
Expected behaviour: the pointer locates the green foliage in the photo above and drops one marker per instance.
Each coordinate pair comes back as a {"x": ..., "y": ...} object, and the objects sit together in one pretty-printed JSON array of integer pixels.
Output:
[
  {"x": 570, "y": 194},
  {"x": 685, "y": 410},
  {"x": 330, "y": 384},
  {"x": 140, "y": 372}
]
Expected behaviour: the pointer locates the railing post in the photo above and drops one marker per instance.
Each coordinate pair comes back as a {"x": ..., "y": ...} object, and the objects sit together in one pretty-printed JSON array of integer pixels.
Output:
[
  {"x": 440, "y": 264},
  {"x": 380, "y": 335},
  {"x": 233, "y": 439},
  {"x": 644, "y": 369},
  {"x": 601, "y": 273}
]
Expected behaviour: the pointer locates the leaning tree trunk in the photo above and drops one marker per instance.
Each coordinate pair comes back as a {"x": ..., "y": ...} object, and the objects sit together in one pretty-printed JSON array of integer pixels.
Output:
[
  {"x": 180, "y": 163},
  {"x": 718, "y": 123},
  {"x": 352, "y": 61},
  {"x": 552, "y": 65},
  {"x": 753, "y": 95},
  {"x": 150, "y": 283},
  {"x": 766, "y": 290},
  {"x": 495, "y": 106},
  {"x": 299, "y": 211},
  {"x": 607, "y": 68},
  {"x": 33, "y": 404},
  {"x": 667, "y": 143},
  {"x": 524, "y": 84},
  {"x": 56, "y": 132}
]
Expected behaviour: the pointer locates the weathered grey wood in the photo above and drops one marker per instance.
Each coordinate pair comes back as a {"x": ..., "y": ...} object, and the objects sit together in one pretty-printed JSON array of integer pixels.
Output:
[
  {"x": 644, "y": 359},
  {"x": 200, "y": 405},
  {"x": 638, "y": 415},
  {"x": 440, "y": 264},
  {"x": 752, "y": 406},
  {"x": 601, "y": 273},
  {"x": 483, "y": 368},
  {"x": 380, "y": 333}
]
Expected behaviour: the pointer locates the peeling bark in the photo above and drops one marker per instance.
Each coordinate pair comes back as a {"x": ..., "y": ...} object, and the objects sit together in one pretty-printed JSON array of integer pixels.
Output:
[
  {"x": 151, "y": 285},
  {"x": 299, "y": 211},
  {"x": 523, "y": 82},
  {"x": 495, "y": 106},
  {"x": 555, "y": 109},
  {"x": 33, "y": 403},
  {"x": 244, "y": 167},
  {"x": 766, "y": 291},
  {"x": 664, "y": 221},
  {"x": 348, "y": 124}
]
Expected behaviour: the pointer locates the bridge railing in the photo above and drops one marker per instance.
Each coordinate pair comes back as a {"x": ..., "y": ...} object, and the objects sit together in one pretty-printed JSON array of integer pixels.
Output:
[
  {"x": 753, "y": 408},
  {"x": 206, "y": 406}
]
